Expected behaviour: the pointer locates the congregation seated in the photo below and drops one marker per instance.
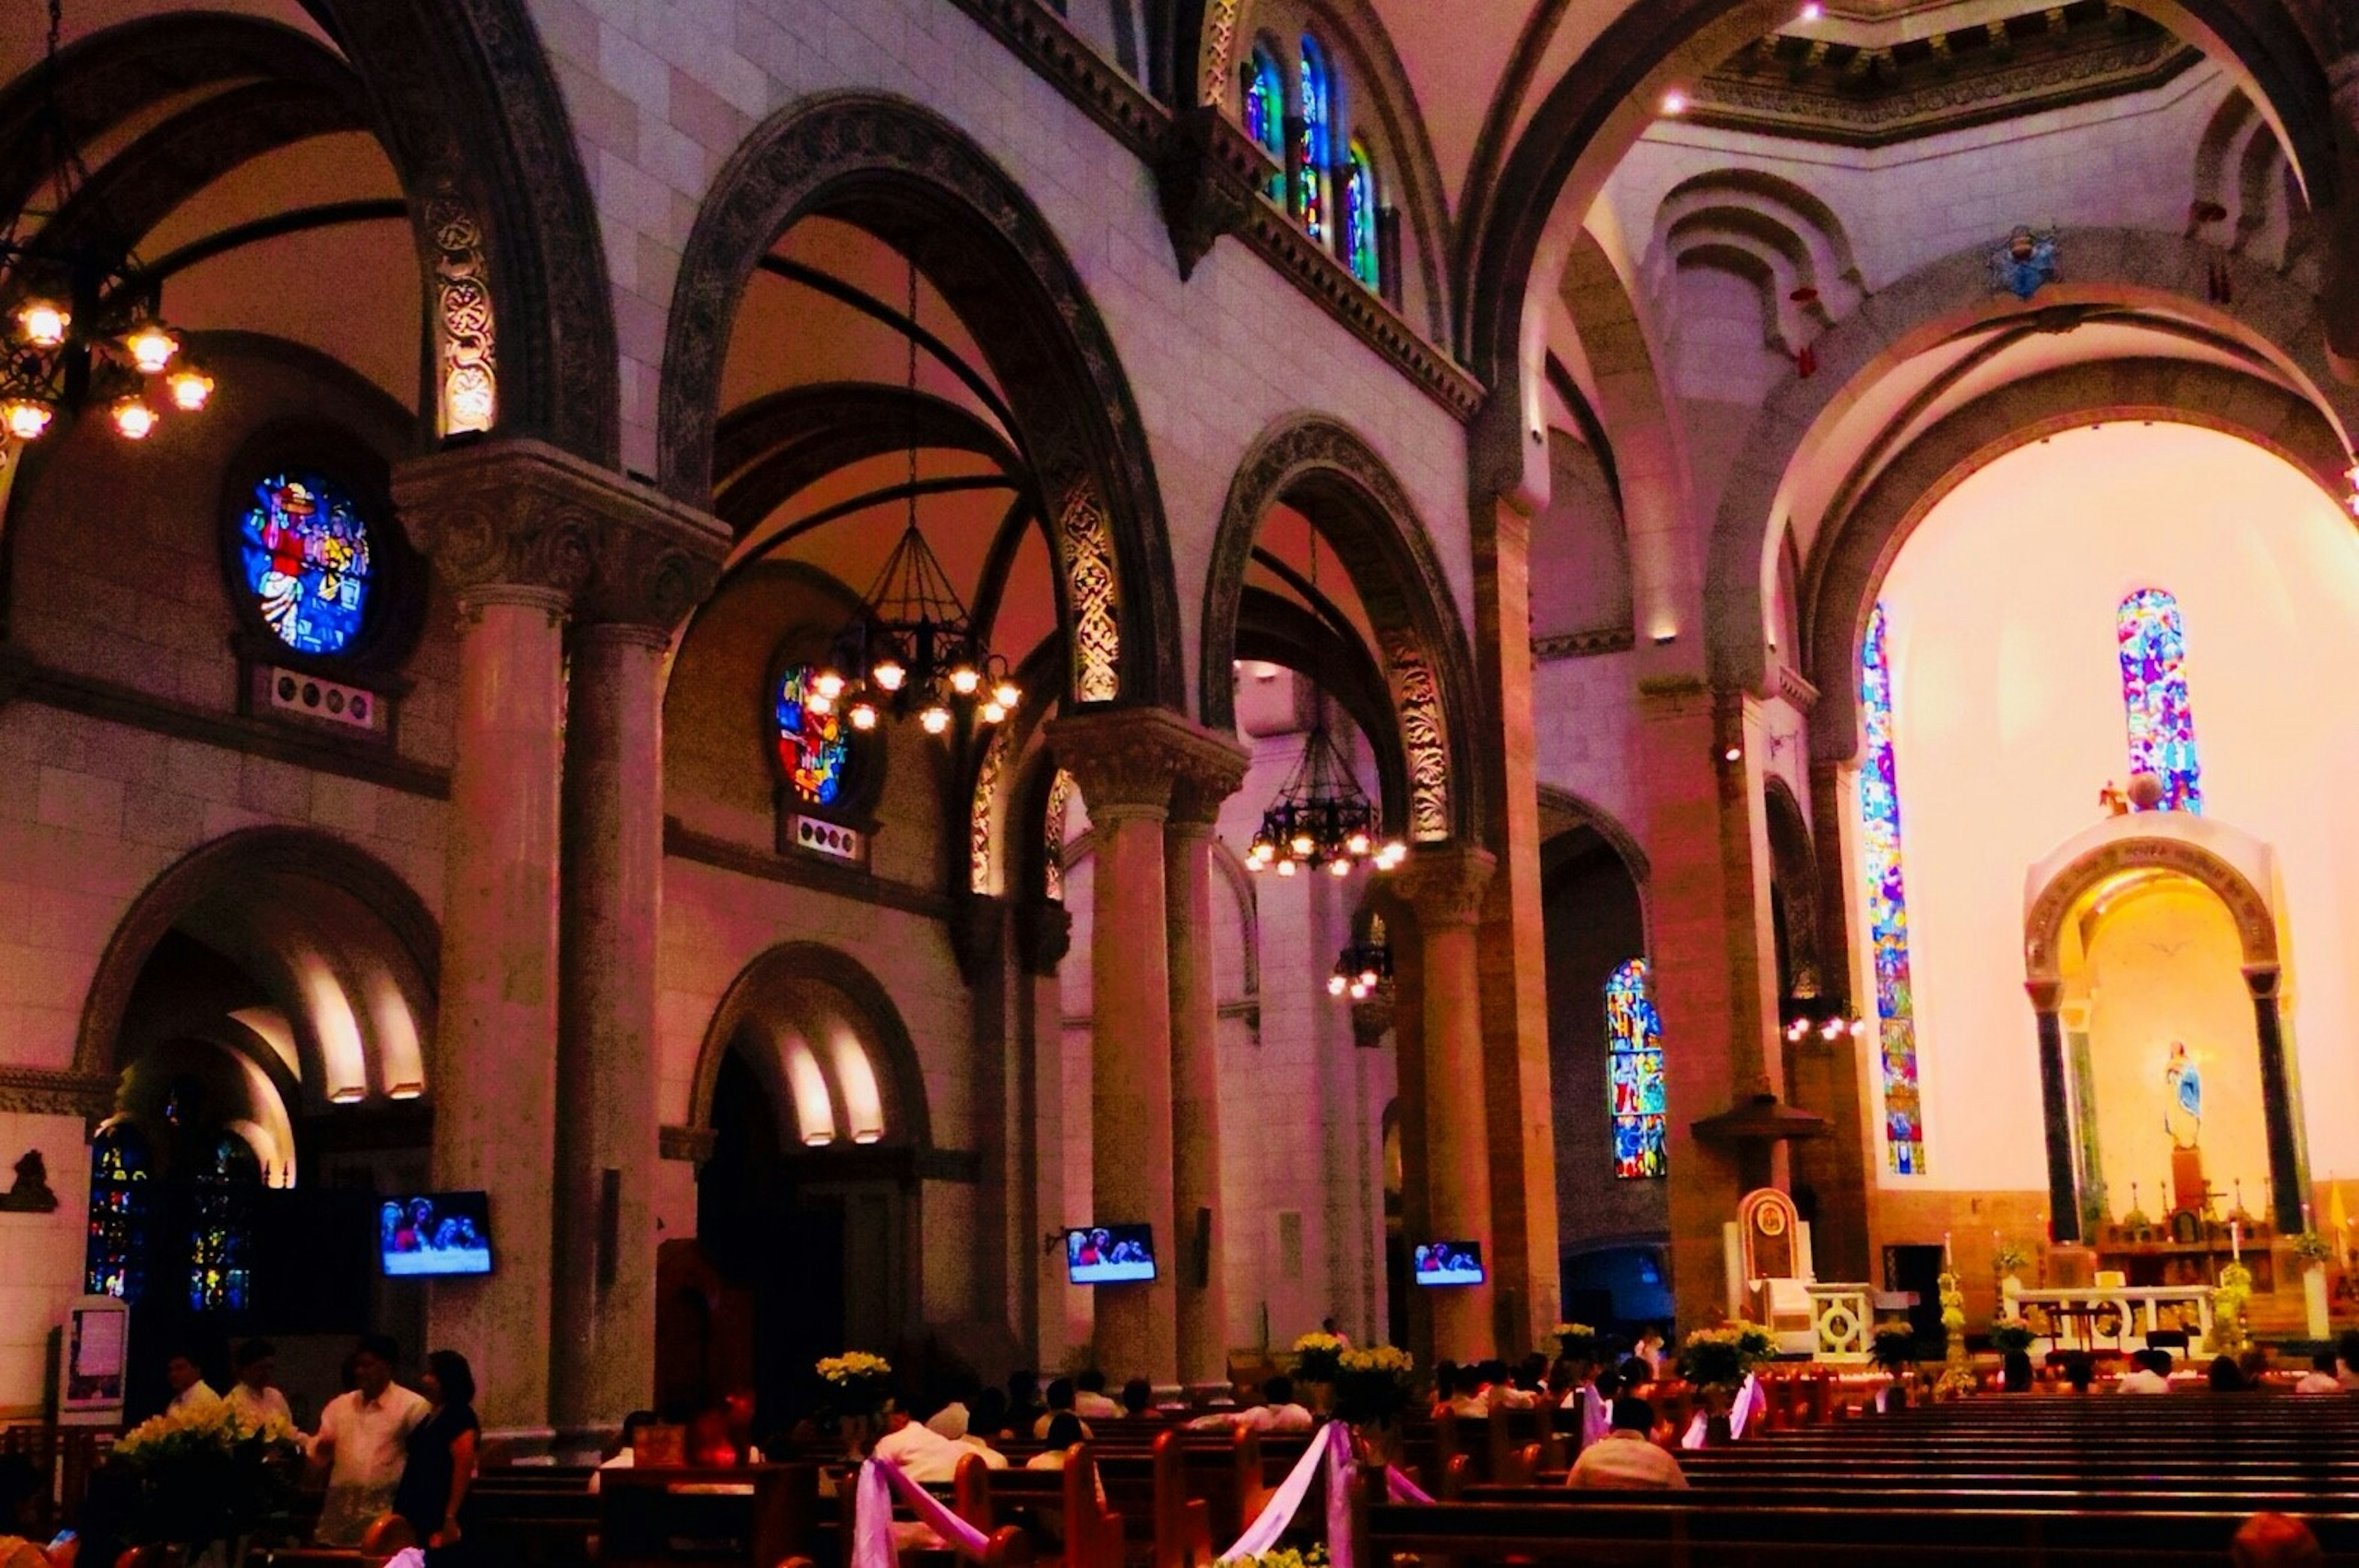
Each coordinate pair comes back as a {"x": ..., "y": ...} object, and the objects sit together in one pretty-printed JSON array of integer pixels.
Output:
[
  {"x": 1276, "y": 1412},
  {"x": 1061, "y": 1395},
  {"x": 2225, "y": 1375},
  {"x": 1090, "y": 1400},
  {"x": 1064, "y": 1432},
  {"x": 2014, "y": 1372},
  {"x": 2320, "y": 1378},
  {"x": 2150, "y": 1375},
  {"x": 1627, "y": 1458},
  {"x": 2080, "y": 1370},
  {"x": 1457, "y": 1391},
  {"x": 1636, "y": 1375},
  {"x": 2274, "y": 1540},
  {"x": 924, "y": 1454},
  {"x": 1137, "y": 1399},
  {"x": 1025, "y": 1406}
]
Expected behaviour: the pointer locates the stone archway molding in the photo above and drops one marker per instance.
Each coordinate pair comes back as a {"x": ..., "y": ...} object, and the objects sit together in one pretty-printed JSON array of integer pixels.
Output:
[
  {"x": 909, "y": 176},
  {"x": 2238, "y": 868}
]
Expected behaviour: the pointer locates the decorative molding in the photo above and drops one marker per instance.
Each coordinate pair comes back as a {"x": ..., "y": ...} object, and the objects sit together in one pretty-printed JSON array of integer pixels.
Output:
[
  {"x": 1446, "y": 886},
  {"x": 681, "y": 842},
  {"x": 1044, "y": 935},
  {"x": 694, "y": 1144},
  {"x": 1797, "y": 689},
  {"x": 40, "y": 1091},
  {"x": 1209, "y": 175},
  {"x": 1583, "y": 645},
  {"x": 2043, "y": 922},
  {"x": 1087, "y": 546}
]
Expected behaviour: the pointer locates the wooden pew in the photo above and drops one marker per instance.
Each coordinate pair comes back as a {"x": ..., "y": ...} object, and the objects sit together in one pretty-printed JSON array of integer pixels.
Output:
[
  {"x": 999, "y": 1501},
  {"x": 755, "y": 1515},
  {"x": 1165, "y": 1526}
]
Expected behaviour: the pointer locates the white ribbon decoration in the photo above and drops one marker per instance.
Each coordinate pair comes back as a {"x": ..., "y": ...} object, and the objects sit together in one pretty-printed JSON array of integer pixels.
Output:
[
  {"x": 871, "y": 1524},
  {"x": 1333, "y": 1449}
]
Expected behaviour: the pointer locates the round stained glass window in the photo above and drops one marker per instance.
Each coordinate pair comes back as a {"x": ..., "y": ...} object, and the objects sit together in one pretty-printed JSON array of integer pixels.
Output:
[
  {"x": 814, "y": 745},
  {"x": 305, "y": 550}
]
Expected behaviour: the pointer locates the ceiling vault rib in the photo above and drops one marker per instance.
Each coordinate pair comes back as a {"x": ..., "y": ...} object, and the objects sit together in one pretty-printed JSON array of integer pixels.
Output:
[{"x": 877, "y": 310}]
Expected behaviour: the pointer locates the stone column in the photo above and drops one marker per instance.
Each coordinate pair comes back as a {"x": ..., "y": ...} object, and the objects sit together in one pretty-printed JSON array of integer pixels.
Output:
[
  {"x": 1195, "y": 1059},
  {"x": 651, "y": 562},
  {"x": 1445, "y": 886},
  {"x": 2056, "y": 1112},
  {"x": 2288, "y": 1189},
  {"x": 1126, "y": 762},
  {"x": 501, "y": 539}
]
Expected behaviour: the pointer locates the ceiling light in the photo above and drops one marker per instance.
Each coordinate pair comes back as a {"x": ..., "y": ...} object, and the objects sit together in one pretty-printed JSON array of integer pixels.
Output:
[{"x": 1675, "y": 102}]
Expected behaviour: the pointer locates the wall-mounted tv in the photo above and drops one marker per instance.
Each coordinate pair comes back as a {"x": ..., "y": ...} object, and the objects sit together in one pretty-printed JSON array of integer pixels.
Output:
[
  {"x": 1447, "y": 1263},
  {"x": 435, "y": 1233},
  {"x": 1110, "y": 1254}
]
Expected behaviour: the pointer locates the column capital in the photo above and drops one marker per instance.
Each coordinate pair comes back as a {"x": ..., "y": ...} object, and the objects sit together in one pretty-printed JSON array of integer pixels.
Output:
[
  {"x": 1445, "y": 883},
  {"x": 1147, "y": 762},
  {"x": 2262, "y": 979},
  {"x": 2047, "y": 995},
  {"x": 523, "y": 513}
]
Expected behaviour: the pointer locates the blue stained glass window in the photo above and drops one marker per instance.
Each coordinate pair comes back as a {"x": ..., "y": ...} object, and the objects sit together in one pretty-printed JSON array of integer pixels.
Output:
[
  {"x": 305, "y": 549},
  {"x": 813, "y": 746},
  {"x": 120, "y": 1182},
  {"x": 1265, "y": 113},
  {"x": 220, "y": 1234},
  {"x": 1634, "y": 1047},
  {"x": 1360, "y": 217},
  {"x": 2153, "y": 641},
  {"x": 1311, "y": 187},
  {"x": 1888, "y": 908}
]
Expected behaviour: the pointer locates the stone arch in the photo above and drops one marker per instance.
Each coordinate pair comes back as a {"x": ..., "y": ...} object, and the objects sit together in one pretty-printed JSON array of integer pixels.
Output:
[
  {"x": 772, "y": 979},
  {"x": 1856, "y": 552},
  {"x": 1336, "y": 480},
  {"x": 2163, "y": 280},
  {"x": 2124, "y": 844},
  {"x": 914, "y": 179},
  {"x": 1794, "y": 883}
]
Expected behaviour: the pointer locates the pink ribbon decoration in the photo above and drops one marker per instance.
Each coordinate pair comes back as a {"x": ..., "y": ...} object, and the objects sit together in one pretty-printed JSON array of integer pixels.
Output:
[
  {"x": 1405, "y": 1490},
  {"x": 872, "y": 1526},
  {"x": 1332, "y": 1450}
]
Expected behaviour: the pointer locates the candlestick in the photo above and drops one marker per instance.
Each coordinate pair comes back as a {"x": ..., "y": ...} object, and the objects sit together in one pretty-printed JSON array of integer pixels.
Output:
[
  {"x": 2236, "y": 1240},
  {"x": 1946, "y": 1260}
]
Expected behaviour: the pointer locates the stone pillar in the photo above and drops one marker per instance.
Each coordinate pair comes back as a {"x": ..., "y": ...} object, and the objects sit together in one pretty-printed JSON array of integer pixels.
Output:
[
  {"x": 1195, "y": 1059},
  {"x": 2056, "y": 1112},
  {"x": 1513, "y": 946},
  {"x": 1445, "y": 885},
  {"x": 2288, "y": 1188},
  {"x": 1126, "y": 762}
]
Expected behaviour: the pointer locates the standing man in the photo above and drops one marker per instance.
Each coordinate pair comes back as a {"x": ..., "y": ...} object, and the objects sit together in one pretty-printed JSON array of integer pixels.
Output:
[
  {"x": 189, "y": 1389},
  {"x": 364, "y": 1436},
  {"x": 254, "y": 1398}
]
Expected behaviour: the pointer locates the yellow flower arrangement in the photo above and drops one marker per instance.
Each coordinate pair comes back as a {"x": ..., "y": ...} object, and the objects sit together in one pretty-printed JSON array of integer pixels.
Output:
[
  {"x": 1373, "y": 1384},
  {"x": 1315, "y": 1355},
  {"x": 857, "y": 1382},
  {"x": 1577, "y": 1342},
  {"x": 203, "y": 1476}
]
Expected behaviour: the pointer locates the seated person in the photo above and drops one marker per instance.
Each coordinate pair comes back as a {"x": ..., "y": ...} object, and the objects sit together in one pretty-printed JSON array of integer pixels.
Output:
[
  {"x": 925, "y": 1455},
  {"x": 1457, "y": 1392},
  {"x": 1637, "y": 1376},
  {"x": 2225, "y": 1375},
  {"x": 2080, "y": 1370},
  {"x": 22, "y": 1491},
  {"x": 1089, "y": 1401},
  {"x": 1060, "y": 1402},
  {"x": 2151, "y": 1374},
  {"x": 2274, "y": 1540},
  {"x": 2015, "y": 1376},
  {"x": 986, "y": 1417},
  {"x": 1064, "y": 1432},
  {"x": 1137, "y": 1399},
  {"x": 1276, "y": 1412},
  {"x": 625, "y": 1455},
  {"x": 2347, "y": 1358},
  {"x": 1503, "y": 1392},
  {"x": 1626, "y": 1459},
  {"x": 2320, "y": 1378}
]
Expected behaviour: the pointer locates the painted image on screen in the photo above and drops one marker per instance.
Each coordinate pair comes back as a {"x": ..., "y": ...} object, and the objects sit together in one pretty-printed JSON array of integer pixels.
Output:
[
  {"x": 1110, "y": 1254},
  {"x": 1448, "y": 1263},
  {"x": 435, "y": 1233}
]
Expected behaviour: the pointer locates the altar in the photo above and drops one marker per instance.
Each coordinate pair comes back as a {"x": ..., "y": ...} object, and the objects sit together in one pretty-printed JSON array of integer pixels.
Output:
[{"x": 2116, "y": 1315}]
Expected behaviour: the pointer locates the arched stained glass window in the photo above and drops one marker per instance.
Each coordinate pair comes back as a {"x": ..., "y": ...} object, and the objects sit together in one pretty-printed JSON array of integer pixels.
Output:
[
  {"x": 221, "y": 1228},
  {"x": 1360, "y": 217},
  {"x": 1265, "y": 111},
  {"x": 1634, "y": 1048},
  {"x": 120, "y": 1182},
  {"x": 1311, "y": 185},
  {"x": 1888, "y": 907},
  {"x": 2152, "y": 636},
  {"x": 305, "y": 549},
  {"x": 814, "y": 748}
]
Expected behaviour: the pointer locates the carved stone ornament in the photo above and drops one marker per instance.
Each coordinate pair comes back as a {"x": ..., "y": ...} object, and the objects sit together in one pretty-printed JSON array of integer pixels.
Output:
[
  {"x": 2257, "y": 926},
  {"x": 1131, "y": 761},
  {"x": 1209, "y": 173},
  {"x": 30, "y": 1192},
  {"x": 1445, "y": 885},
  {"x": 522, "y": 514},
  {"x": 694, "y": 1144},
  {"x": 37, "y": 1091}
]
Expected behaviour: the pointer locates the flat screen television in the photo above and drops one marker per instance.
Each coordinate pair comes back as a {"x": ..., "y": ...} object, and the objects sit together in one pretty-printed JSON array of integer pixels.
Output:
[
  {"x": 1110, "y": 1254},
  {"x": 435, "y": 1233},
  {"x": 1447, "y": 1263}
]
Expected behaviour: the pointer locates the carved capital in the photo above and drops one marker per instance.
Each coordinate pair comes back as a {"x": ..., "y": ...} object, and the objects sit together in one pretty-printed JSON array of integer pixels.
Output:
[
  {"x": 1445, "y": 884},
  {"x": 2262, "y": 979},
  {"x": 1209, "y": 173},
  {"x": 1144, "y": 760},
  {"x": 691, "y": 1144},
  {"x": 38, "y": 1091},
  {"x": 523, "y": 513},
  {"x": 1372, "y": 1019},
  {"x": 1044, "y": 935},
  {"x": 2047, "y": 996}
]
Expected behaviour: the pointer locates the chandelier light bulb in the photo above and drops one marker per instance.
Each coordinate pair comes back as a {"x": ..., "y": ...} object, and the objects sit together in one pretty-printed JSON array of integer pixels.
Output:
[
  {"x": 828, "y": 684},
  {"x": 134, "y": 418},
  {"x": 1335, "y": 985},
  {"x": 1302, "y": 845},
  {"x": 1359, "y": 993},
  {"x": 819, "y": 702},
  {"x": 189, "y": 387},
  {"x": 862, "y": 715},
  {"x": 889, "y": 673},
  {"x": 993, "y": 711},
  {"x": 935, "y": 719},
  {"x": 44, "y": 323},
  {"x": 1339, "y": 867},
  {"x": 1007, "y": 694},
  {"x": 26, "y": 418},
  {"x": 965, "y": 679},
  {"x": 151, "y": 347},
  {"x": 1357, "y": 843},
  {"x": 1368, "y": 979},
  {"x": 1285, "y": 867}
]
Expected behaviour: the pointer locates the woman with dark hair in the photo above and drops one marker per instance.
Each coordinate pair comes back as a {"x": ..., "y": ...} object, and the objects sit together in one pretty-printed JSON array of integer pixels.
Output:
[
  {"x": 440, "y": 1467},
  {"x": 2015, "y": 1377}
]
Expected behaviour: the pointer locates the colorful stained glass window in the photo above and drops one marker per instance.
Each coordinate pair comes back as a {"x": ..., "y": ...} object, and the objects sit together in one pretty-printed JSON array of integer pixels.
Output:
[
  {"x": 305, "y": 550},
  {"x": 1360, "y": 217},
  {"x": 1311, "y": 185},
  {"x": 1888, "y": 907},
  {"x": 221, "y": 1228},
  {"x": 1634, "y": 1054},
  {"x": 2153, "y": 640},
  {"x": 1264, "y": 107},
  {"x": 814, "y": 747},
  {"x": 120, "y": 1182}
]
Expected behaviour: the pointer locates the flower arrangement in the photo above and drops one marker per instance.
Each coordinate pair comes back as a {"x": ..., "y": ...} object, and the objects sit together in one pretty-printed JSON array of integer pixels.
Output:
[
  {"x": 2313, "y": 1247},
  {"x": 206, "y": 1476},
  {"x": 1373, "y": 1384},
  {"x": 1893, "y": 1350},
  {"x": 1719, "y": 1358},
  {"x": 1578, "y": 1342},
  {"x": 1315, "y": 1355},
  {"x": 1957, "y": 1370},
  {"x": 2228, "y": 1334},
  {"x": 2007, "y": 1339},
  {"x": 858, "y": 1384},
  {"x": 2012, "y": 1256},
  {"x": 1285, "y": 1557}
]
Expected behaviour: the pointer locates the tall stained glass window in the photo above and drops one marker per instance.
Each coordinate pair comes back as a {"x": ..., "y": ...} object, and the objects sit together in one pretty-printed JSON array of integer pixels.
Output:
[
  {"x": 1311, "y": 187},
  {"x": 813, "y": 746},
  {"x": 1888, "y": 907},
  {"x": 1634, "y": 1054},
  {"x": 120, "y": 1182},
  {"x": 305, "y": 550},
  {"x": 1360, "y": 217},
  {"x": 2152, "y": 637},
  {"x": 221, "y": 1228},
  {"x": 1265, "y": 111}
]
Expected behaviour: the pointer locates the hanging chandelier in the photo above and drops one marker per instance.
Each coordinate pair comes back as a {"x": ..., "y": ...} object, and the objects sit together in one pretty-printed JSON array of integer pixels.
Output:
[
  {"x": 1364, "y": 967},
  {"x": 80, "y": 322},
  {"x": 912, "y": 647},
  {"x": 1321, "y": 818}
]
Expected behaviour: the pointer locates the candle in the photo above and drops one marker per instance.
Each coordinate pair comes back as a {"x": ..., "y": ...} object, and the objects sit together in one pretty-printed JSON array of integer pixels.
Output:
[
  {"x": 1946, "y": 1260},
  {"x": 2236, "y": 1240}
]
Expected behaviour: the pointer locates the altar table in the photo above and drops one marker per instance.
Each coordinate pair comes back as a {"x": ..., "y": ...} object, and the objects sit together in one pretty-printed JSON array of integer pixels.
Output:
[{"x": 2087, "y": 1305}]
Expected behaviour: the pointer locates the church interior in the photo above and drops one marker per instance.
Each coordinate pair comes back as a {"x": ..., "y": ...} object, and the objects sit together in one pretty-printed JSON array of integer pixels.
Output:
[{"x": 1043, "y": 686}]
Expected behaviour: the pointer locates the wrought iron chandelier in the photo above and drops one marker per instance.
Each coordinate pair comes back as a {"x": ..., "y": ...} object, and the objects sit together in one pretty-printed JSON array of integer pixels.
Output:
[
  {"x": 1363, "y": 967},
  {"x": 912, "y": 647},
  {"x": 80, "y": 322}
]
